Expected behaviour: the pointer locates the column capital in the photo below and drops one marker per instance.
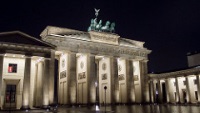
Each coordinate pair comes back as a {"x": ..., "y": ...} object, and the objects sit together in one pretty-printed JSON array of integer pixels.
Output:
[
  {"x": 47, "y": 58},
  {"x": 92, "y": 54},
  {"x": 80, "y": 54},
  {"x": 123, "y": 58},
  {"x": 136, "y": 59},
  {"x": 145, "y": 60},
  {"x": 28, "y": 56}
]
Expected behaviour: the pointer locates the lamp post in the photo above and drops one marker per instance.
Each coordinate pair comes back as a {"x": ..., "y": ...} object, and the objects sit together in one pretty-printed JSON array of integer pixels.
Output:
[{"x": 105, "y": 87}]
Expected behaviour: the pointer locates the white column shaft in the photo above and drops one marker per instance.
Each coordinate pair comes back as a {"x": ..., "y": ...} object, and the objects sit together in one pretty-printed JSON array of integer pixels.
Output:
[
  {"x": 1, "y": 74},
  {"x": 92, "y": 79},
  {"x": 177, "y": 90},
  {"x": 114, "y": 79},
  {"x": 160, "y": 92},
  {"x": 72, "y": 78},
  {"x": 45, "y": 83},
  {"x": 26, "y": 85},
  {"x": 198, "y": 86},
  {"x": 152, "y": 91},
  {"x": 167, "y": 90},
  {"x": 51, "y": 78},
  {"x": 130, "y": 82},
  {"x": 188, "y": 90}
]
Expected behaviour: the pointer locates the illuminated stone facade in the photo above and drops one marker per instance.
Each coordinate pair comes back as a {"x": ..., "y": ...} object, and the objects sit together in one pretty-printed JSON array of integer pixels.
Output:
[
  {"x": 74, "y": 66},
  {"x": 26, "y": 71},
  {"x": 98, "y": 67}
]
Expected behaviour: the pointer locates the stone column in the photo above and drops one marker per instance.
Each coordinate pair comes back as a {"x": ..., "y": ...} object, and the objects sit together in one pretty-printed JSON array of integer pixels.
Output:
[
  {"x": 35, "y": 87},
  {"x": 170, "y": 90},
  {"x": 1, "y": 74},
  {"x": 198, "y": 87},
  {"x": 188, "y": 89},
  {"x": 144, "y": 81},
  {"x": 97, "y": 81},
  {"x": 91, "y": 79},
  {"x": 160, "y": 95},
  {"x": 139, "y": 84},
  {"x": 72, "y": 78},
  {"x": 45, "y": 83},
  {"x": 58, "y": 81},
  {"x": 177, "y": 90},
  {"x": 191, "y": 91},
  {"x": 38, "y": 84},
  {"x": 155, "y": 91},
  {"x": 130, "y": 82},
  {"x": 51, "y": 78},
  {"x": 167, "y": 90},
  {"x": 114, "y": 80},
  {"x": 152, "y": 93},
  {"x": 26, "y": 85}
]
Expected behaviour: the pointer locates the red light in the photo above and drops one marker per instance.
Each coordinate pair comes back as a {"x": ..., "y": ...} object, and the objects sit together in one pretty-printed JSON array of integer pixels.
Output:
[{"x": 10, "y": 69}]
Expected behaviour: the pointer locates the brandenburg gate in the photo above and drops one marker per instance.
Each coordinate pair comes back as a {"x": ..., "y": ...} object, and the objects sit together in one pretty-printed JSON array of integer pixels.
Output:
[{"x": 98, "y": 67}]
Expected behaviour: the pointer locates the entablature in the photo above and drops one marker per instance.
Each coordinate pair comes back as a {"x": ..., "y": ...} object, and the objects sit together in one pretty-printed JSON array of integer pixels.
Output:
[
  {"x": 181, "y": 73},
  {"x": 97, "y": 48},
  {"x": 25, "y": 49}
]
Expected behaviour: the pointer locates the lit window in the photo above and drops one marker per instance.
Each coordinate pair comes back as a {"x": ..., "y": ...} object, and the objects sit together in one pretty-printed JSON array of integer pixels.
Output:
[{"x": 12, "y": 68}]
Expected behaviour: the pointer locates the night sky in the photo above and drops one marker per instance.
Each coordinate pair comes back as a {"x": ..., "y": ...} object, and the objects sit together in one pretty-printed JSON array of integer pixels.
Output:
[{"x": 170, "y": 28}]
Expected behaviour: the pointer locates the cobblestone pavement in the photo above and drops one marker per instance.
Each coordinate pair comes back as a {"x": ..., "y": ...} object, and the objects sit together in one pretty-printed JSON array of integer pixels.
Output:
[{"x": 115, "y": 109}]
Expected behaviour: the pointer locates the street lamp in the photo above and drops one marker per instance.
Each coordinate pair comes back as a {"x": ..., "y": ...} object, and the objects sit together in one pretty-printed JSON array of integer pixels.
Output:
[{"x": 105, "y": 87}]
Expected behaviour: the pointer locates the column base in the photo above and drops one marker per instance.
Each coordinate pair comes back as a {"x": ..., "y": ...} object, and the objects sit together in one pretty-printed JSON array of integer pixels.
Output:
[
  {"x": 45, "y": 106},
  {"x": 25, "y": 108}
]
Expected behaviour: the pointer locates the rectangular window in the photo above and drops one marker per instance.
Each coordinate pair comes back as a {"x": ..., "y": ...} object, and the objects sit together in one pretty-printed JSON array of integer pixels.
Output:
[{"x": 12, "y": 68}]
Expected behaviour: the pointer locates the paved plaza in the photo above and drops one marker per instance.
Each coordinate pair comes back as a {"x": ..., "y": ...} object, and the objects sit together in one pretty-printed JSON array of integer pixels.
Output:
[{"x": 116, "y": 109}]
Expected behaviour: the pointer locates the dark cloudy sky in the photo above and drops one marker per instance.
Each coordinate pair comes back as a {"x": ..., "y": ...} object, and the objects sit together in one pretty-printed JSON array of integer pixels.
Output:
[{"x": 170, "y": 28}]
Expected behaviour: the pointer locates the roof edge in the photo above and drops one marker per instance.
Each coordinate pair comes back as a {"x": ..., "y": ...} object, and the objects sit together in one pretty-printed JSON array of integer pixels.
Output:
[{"x": 28, "y": 36}]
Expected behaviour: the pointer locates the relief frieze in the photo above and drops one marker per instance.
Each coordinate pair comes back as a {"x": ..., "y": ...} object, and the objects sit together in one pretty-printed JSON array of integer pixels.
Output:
[
  {"x": 63, "y": 74},
  {"x": 81, "y": 76},
  {"x": 104, "y": 38},
  {"x": 104, "y": 76},
  {"x": 99, "y": 48},
  {"x": 135, "y": 78},
  {"x": 121, "y": 77}
]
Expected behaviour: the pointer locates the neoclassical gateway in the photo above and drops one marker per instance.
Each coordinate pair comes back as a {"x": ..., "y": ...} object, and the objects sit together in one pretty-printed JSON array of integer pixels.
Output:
[
  {"x": 98, "y": 67},
  {"x": 74, "y": 66}
]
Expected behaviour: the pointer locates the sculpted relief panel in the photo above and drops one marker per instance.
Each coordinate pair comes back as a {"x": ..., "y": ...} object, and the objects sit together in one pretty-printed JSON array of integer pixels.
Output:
[
  {"x": 121, "y": 77},
  {"x": 81, "y": 76},
  {"x": 104, "y": 76},
  {"x": 104, "y": 38},
  {"x": 63, "y": 74}
]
